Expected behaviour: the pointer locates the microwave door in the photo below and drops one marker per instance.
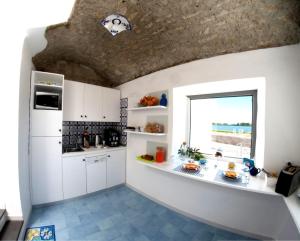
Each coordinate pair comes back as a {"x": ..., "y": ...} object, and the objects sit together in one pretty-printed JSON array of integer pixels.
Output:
[{"x": 47, "y": 100}]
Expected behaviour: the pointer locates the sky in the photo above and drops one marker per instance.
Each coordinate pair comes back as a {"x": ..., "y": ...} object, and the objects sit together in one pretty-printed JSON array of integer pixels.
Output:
[{"x": 226, "y": 109}]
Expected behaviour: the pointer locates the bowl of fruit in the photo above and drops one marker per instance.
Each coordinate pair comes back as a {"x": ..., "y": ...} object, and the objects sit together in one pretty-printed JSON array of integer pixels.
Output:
[{"x": 149, "y": 101}]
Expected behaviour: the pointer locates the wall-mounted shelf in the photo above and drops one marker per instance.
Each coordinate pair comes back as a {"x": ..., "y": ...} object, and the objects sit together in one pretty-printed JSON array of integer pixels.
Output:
[
  {"x": 145, "y": 133},
  {"x": 139, "y": 158},
  {"x": 46, "y": 79},
  {"x": 156, "y": 107}
]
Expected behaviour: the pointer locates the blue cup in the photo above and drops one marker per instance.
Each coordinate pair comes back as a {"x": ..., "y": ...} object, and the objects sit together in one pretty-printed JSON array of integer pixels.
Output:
[
  {"x": 248, "y": 162},
  {"x": 202, "y": 161}
]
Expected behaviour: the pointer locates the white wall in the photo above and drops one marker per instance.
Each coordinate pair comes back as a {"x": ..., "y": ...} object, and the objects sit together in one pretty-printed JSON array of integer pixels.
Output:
[
  {"x": 24, "y": 100},
  {"x": 253, "y": 213},
  {"x": 280, "y": 68},
  {"x": 16, "y": 17},
  {"x": 11, "y": 50}
]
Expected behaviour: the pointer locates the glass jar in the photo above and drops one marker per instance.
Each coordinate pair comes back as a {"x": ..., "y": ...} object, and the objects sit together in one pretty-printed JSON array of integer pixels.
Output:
[{"x": 160, "y": 154}]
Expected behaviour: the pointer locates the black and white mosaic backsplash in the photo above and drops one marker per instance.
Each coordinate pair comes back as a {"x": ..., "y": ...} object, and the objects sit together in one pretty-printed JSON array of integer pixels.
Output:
[
  {"x": 73, "y": 130},
  {"x": 123, "y": 119}
]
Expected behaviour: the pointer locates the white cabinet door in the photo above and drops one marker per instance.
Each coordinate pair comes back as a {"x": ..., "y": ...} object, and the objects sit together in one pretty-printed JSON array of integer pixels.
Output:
[
  {"x": 73, "y": 96},
  {"x": 46, "y": 123},
  {"x": 92, "y": 102},
  {"x": 46, "y": 169},
  {"x": 96, "y": 173},
  {"x": 85, "y": 102},
  {"x": 116, "y": 167},
  {"x": 74, "y": 176},
  {"x": 110, "y": 105}
]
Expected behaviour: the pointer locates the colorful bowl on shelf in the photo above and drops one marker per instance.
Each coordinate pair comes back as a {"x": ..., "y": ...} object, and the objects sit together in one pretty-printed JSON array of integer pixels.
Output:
[{"x": 149, "y": 101}]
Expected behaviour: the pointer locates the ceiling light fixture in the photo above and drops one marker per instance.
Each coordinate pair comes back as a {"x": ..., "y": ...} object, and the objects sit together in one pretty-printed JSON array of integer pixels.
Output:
[{"x": 116, "y": 23}]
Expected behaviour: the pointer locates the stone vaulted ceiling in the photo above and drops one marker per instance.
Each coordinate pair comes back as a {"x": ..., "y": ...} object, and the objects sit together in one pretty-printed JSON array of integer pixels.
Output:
[{"x": 165, "y": 33}]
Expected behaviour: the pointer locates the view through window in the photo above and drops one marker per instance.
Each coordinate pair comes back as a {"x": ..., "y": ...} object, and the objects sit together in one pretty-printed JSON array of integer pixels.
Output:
[{"x": 225, "y": 123}]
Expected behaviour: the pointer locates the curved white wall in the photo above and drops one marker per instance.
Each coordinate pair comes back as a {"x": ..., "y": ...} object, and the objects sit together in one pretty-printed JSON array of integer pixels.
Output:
[
  {"x": 279, "y": 67},
  {"x": 16, "y": 18},
  {"x": 255, "y": 213}
]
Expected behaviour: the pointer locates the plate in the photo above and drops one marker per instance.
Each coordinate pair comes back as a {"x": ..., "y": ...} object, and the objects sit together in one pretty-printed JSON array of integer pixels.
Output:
[
  {"x": 226, "y": 174},
  {"x": 190, "y": 166}
]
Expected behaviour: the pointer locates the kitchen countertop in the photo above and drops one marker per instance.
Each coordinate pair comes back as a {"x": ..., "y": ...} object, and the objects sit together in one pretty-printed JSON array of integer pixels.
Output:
[
  {"x": 92, "y": 150},
  {"x": 255, "y": 184}
]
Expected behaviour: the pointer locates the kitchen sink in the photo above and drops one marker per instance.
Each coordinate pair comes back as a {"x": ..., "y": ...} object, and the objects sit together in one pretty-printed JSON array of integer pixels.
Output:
[{"x": 72, "y": 149}]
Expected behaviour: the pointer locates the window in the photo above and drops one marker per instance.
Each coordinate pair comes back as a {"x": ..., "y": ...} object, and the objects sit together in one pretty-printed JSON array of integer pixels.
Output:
[{"x": 224, "y": 122}]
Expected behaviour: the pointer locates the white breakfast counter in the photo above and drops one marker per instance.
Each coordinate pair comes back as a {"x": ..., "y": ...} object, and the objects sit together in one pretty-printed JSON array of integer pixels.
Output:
[{"x": 208, "y": 174}]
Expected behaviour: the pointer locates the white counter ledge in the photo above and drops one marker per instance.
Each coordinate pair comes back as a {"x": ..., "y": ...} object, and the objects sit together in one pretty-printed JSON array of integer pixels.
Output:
[
  {"x": 256, "y": 184},
  {"x": 293, "y": 203},
  {"x": 91, "y": 150}
]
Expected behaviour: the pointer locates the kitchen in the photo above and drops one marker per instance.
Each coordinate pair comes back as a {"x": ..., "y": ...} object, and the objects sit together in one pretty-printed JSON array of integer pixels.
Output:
[
  {"x": 58, "y": 109},
  {"x": 100, "y": 125},
  {"x": 85, "y": 166}
]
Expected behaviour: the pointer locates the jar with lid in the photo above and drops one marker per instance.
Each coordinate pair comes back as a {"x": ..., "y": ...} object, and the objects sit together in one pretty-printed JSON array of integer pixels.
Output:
[{"x": 160, "y": 154}]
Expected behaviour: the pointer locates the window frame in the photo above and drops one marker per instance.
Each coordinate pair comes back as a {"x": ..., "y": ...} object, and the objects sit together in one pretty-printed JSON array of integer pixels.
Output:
[{"x": 252, "y": 93}]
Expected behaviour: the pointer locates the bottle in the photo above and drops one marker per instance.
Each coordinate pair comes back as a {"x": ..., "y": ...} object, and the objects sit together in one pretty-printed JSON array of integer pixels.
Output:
[
  {"x": 96, "y": 141},
  {"x": 163, "y": 100},
  {"x": 86, "y": 143}
]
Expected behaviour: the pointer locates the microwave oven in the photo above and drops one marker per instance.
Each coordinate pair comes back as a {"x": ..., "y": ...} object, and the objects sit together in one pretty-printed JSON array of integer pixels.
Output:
[{"x": 47, "y": 100}]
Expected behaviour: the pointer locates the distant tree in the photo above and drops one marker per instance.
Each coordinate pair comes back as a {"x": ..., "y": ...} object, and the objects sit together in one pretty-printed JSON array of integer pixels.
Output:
[
  {"x": 244, "y": 124},
  {"x": 232, "y": 124}
]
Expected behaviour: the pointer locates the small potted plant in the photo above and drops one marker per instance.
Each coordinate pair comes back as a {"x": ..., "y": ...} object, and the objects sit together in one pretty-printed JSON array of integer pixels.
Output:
[{"x": 193, "y": 153}]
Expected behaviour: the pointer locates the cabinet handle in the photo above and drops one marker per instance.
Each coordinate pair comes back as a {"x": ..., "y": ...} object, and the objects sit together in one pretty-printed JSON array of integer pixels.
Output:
[
  {"x": 81, "y": 116},
  {"x": 96, "y": 161},
  {"x": 85, "y": 116},
  {"x": 59, "y": 142},
  {"x": 108, "y": 155},
  {"x": 83, "y": 160},
  {"x": 104, "y": 117},
  {"x": 59, "y": 130}
]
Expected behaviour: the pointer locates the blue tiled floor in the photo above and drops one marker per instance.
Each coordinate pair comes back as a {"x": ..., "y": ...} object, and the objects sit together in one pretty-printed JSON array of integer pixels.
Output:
[{"x": 120, "y": 214}]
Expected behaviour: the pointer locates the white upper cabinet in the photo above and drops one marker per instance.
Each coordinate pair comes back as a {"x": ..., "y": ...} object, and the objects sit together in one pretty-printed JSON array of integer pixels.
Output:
[
  {"x": 92, "y": 102},
  {"x": 85, "y": 102},
  {"x": 73, "y": 101},
  {"x": 110, "y": 105}
]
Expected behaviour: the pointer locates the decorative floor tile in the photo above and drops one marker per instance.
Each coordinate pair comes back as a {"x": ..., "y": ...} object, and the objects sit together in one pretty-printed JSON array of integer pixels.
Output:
[{"x": 120, "y": 214}]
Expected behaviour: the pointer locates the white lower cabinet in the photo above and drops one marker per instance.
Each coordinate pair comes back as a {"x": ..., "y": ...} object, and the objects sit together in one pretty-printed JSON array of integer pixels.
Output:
[
  {"x": 96, "y": 173},
  {"x": 46, "y": 173},
  {"x": 115, "y": 168},
  {"x": 87, "y": 173},
  {"x": 74, "y": 176}
]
